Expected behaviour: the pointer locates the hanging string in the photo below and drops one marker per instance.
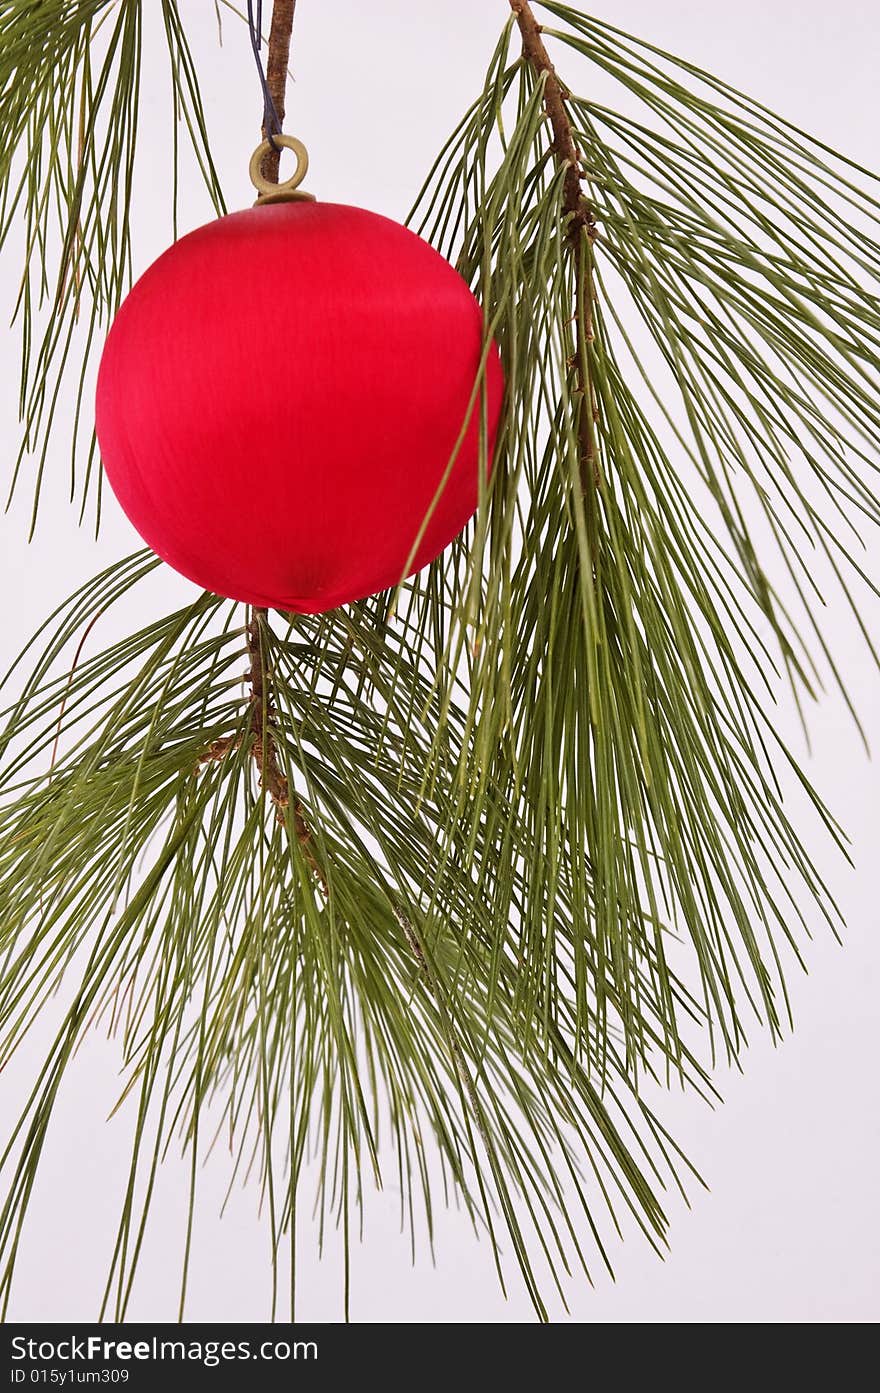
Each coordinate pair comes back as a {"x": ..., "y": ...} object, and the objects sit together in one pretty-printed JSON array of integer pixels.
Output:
[{"x": 271, "y": 123}]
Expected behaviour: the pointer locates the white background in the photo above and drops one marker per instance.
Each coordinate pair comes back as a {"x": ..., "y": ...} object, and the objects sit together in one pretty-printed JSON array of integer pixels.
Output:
[{"x": 789, "y": 1231}]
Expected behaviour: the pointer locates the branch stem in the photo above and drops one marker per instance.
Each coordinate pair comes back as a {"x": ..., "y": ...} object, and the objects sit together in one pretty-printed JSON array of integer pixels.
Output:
[
  {"x": 262, "y": 723},
  {"x": 277, "y": 63},
  {"x": 264, "y": 747},
  {"x": 581, "y": 231},
  {"x": 535, "y": 52}
]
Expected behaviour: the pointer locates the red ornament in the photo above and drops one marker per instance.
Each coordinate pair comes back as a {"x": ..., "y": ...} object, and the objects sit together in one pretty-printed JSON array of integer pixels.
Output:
[{"x": 279, "y": 399}]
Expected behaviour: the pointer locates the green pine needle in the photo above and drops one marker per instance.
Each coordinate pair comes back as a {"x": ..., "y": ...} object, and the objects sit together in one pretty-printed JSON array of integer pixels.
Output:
[{"x": 70, "y": 74}]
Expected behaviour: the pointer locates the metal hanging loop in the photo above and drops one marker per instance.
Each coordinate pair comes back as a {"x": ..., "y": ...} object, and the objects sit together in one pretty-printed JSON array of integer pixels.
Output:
[{"x": 288, "y": 191}]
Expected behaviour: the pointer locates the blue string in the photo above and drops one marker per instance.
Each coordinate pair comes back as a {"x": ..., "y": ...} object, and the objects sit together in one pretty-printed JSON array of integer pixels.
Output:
[{"x": 271, "y": 123}]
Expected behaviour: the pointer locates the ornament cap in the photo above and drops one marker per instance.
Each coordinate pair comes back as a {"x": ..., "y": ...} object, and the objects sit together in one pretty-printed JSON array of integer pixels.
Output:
[{"x": 288, "y": 191}]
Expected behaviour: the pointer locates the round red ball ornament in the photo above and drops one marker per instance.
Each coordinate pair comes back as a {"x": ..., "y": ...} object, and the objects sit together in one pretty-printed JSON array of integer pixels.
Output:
[{"x": 280, "y": 399}]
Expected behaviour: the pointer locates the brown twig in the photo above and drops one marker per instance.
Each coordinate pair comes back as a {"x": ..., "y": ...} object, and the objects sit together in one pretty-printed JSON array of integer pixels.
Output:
[
  {"x": 277, "y": 63},
  {"x": 219, "y": 749},
  {"x": 264, "y": 748},
  {"x": 581, "y": 229},
  {"x": 262, "y": 722},
  {"x": 564, "y": 145}
]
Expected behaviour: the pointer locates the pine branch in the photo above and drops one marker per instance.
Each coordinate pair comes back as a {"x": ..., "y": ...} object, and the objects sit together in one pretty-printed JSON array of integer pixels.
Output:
[
  {"x": 70, "y": 91},
  {"x": 203, "y": 898},
  {"x": 575, "y": 203},
  {"x": 581, "y": 229}
]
